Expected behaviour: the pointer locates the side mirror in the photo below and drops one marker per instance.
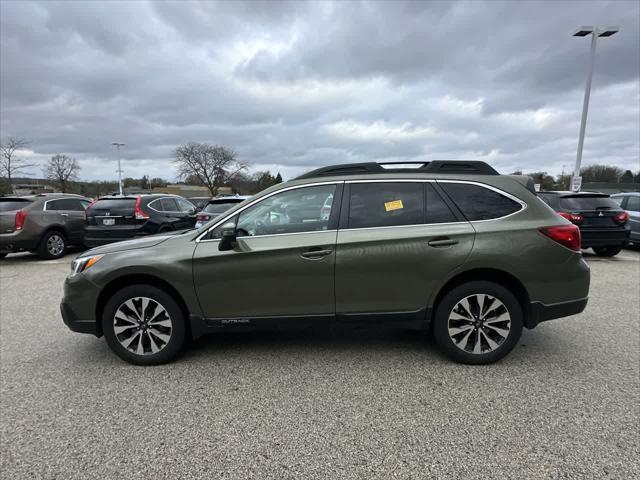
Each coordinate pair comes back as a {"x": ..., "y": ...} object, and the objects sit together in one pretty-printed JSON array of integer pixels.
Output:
[{"x": 227, "y": 237}]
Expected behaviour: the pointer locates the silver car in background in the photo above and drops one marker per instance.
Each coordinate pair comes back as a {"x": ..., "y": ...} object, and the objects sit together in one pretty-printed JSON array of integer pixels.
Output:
[{"x": 631, "y": 203}]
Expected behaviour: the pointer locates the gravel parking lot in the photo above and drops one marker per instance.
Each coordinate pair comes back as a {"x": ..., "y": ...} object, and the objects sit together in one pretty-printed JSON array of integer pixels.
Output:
[{"x": 322, "y": 404}]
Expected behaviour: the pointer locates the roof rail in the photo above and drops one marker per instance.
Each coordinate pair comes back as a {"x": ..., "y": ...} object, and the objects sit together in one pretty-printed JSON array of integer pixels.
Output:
[{"x": 469, "y": 167}]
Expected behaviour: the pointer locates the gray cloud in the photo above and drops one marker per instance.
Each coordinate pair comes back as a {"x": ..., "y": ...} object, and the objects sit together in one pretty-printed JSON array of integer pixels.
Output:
[{"x": 294, "y": 85}]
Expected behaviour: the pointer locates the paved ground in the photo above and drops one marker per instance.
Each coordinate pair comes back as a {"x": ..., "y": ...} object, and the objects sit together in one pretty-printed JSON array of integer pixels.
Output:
[{"x": 339, "y": 404}]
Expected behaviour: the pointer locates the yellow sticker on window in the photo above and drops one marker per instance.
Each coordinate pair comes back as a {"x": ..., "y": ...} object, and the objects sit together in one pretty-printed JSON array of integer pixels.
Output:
[{"x": 395, "y": 205}]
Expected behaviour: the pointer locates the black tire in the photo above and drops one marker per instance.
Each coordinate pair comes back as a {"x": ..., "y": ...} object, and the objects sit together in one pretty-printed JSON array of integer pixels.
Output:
[
  {"x": 489, "y": 333},
  {"x": 177, "y": 333},
  {"x": 607, "y": 251},
  {"x": 3, "y": 254},
  {"x": 53, "y": 245}
]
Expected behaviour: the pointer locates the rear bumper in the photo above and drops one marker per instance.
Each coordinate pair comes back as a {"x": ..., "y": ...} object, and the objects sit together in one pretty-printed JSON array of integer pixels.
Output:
[
  {"x": 539, "y": 312},
  {"x": 17, "y": 242},
  {"x": 604, "y": 237}
]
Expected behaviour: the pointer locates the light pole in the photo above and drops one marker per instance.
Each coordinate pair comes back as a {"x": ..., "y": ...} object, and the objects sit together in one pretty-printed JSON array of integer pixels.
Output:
[
  {"x": 595, "y": 32},
  {"x": 118, "y": 145}
]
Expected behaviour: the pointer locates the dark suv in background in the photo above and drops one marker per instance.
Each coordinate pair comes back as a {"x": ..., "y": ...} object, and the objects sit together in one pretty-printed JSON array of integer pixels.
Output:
[
  {"x": 602, "y": 222},
  {"x": 452, "y": 248},
  {"x": 117, "y": 218},
  {"x": 45, "y": 224},
  {"x": 216, "y": 207}
]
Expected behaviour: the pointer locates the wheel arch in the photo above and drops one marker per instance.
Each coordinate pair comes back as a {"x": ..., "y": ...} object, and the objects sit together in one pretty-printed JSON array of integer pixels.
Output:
[
  {"x": 501, "y": 277},
  {"x": 127, "y": 280}
]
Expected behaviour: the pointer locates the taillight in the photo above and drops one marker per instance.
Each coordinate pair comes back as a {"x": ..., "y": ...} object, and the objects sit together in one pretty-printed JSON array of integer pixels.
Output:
[
  {"x": 88, "y": 207},
  {"x": 137, "y": 211},
  {"x": 621, "y": 217},
  {"x": 566, "y": 235},
  {"x": 21, "y": 216},
  {"x": 202, "y": 218},
  {"x": 572, "y": 217}
]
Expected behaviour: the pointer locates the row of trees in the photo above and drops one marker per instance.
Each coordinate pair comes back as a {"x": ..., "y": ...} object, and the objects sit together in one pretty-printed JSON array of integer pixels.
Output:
[
  {"x": 60, "y": 169},
  {"x": 590, "y": 174},
  {"x": 212, "y": 166}
]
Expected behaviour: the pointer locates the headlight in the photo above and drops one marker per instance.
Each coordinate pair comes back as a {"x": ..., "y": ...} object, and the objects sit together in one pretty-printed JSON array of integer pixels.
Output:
[{"x": 83, "y": 263}]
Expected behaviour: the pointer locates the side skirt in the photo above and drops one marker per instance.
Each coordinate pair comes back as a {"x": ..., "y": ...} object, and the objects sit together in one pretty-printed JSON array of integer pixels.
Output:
[{"x": 418, "y": 320}]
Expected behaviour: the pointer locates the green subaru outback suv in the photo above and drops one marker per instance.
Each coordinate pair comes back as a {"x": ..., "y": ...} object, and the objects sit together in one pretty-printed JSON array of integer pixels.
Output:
[{"x": 449, "y": 247}]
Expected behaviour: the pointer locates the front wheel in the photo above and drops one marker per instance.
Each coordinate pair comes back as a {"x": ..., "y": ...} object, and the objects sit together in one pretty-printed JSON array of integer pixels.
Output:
[
  {"x": 478, "y": 323},
  {"x": 607, "y": 251},
  {"x": 144, "y": 325}
]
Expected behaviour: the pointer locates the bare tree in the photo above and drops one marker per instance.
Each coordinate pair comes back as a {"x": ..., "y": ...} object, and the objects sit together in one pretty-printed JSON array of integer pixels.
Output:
[
  {"x": 62, "y": 169},
  {"x": 213, "y": 165},
  {"x": 10, "y": 163}
]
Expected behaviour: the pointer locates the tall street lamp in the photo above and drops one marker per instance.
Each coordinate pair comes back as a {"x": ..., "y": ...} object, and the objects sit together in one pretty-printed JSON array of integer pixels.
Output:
[
  {"x": 118, "y": 145},
  {"x": 595, "y": 32}
]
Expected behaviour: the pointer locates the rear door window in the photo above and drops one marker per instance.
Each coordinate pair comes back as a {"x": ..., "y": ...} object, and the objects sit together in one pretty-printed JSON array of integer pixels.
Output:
[
  {"x": 588, "y": 202},
  {"x": 382, "y": 204},
  {"x": 479, "y": 203},
  {"x": 167, "y": 205},
  {"x": 68, "y": 204}
]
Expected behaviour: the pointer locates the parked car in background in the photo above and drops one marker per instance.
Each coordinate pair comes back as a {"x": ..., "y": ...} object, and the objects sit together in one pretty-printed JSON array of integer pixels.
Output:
[
  {"x": 630, "y": 202},
  {"x": 117, "y": 218},
  {"x": 603, "y": 224},
  {"x": 452, "y": 248},
  {"x": 45, "y": 224},
  {"x": 199, "y": 202},
  {"x": 217, "y": 206}
]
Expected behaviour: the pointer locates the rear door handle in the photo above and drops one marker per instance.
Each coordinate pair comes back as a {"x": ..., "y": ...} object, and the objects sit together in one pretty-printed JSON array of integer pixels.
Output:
[
  {"x": 64, "y": 214},
  {"x": 443, "y": 242},
  {"x": 316, "y": 254}
]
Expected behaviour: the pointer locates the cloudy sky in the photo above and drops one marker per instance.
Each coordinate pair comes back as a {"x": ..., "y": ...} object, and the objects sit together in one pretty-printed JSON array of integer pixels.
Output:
[{"x": 295, "y": 85}]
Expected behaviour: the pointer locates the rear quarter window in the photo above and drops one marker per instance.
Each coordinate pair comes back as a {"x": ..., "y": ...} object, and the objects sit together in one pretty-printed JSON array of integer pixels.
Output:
[{"x": 479, "y": 203}]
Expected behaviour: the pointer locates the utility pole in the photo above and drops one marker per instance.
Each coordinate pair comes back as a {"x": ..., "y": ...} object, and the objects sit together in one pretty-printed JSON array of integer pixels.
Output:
[
  {"x": 118, "y": 145},
  {"x": 595, "y": 32}
]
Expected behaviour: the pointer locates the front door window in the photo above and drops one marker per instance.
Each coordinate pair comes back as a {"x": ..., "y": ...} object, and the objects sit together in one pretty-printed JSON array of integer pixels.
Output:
[{"x": 299, "y": 210}]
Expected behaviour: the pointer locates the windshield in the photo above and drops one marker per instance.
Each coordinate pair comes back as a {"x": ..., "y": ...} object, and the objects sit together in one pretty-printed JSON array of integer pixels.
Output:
[
  {"x": 588, "y": 202},
  {"x": 13, "y": 204}
]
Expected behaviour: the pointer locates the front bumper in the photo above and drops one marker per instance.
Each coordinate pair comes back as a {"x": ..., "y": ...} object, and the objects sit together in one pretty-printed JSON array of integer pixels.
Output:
[
  {"x": 75, "y": 324},
  {"x": 78, "y": 306},
  {"x": 604, "y": 237}
]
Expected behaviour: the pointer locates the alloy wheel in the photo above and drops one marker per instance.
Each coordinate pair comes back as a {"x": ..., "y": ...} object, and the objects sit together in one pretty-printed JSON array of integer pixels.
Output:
[
  {"x": 479, "y": 324},
  {"x": 55, "y": 245},
  {"x": 142, "y": 326}
]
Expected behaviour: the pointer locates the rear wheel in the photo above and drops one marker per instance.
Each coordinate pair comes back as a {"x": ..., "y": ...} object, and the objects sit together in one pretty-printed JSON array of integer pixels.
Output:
[
  {"x": 144, "y": 325},
  {"x": 52, "y": 245},
  {"x": 607, "y": 251},
  {"x": 478, "y": 322}
]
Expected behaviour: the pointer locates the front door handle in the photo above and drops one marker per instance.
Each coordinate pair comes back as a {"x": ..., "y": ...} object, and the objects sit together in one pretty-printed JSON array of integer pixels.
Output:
[
  {"x": 64, "y": 214},
  {"x": 316, "y": 254},
  {"x": 442, "y": 242}
]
